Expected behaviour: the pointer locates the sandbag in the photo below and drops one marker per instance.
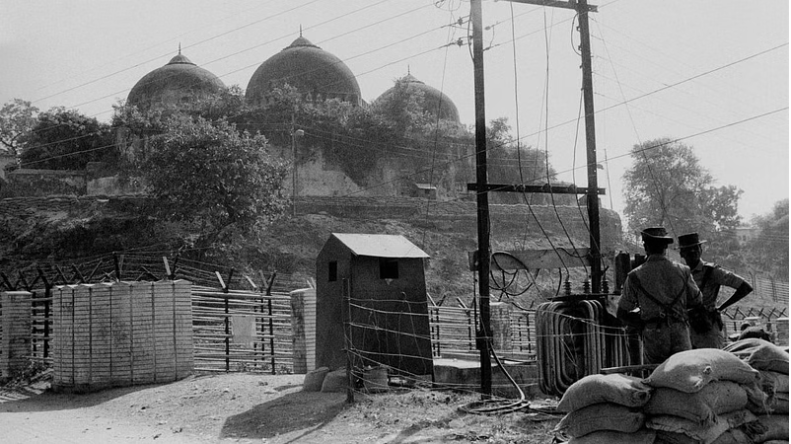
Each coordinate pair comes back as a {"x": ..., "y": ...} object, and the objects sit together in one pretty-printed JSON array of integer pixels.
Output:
[
  {"x": 776, "y": 428},
  {"x": 642, "y": 436},
  {"x": 773, "y": 381},
  {"x": 689, "y": 371},
  {"x": 760, "y": 354},
  {"x": 757, "y": 398},
  {"x": 614, "y": 388},
  {"x": 664, "y": 437},
  {"x": 700, "y": 433},
  {"x": 778, "y": 403},
  {"x": 314, "y": 379},
  {"x": 733, "y": 436},
  {"x": 602, "y": 416},
  {"x": 715, "y": 398},
  {"x": 335, "y": 381}
]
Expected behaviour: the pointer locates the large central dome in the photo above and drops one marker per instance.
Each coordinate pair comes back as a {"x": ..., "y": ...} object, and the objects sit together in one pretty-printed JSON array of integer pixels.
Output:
[
  {"x": 177, "y": 83},
  {"x": 317, "y": 75}
]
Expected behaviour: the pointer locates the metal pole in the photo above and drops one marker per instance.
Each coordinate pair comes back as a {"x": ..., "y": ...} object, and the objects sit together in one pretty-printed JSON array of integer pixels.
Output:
[
  {"x": 590, "y": 138},
  {"x": 484, "y": 334}
]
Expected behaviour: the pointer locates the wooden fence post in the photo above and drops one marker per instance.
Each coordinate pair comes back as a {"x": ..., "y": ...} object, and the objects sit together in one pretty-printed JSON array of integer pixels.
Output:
[
  {"x": 501, "y": 326},
  {"x": 227, "y": 323},
  {"x": 437, "y": 332},
  {"x": 470, "y": 329},
  {"x": 271, "y": 335},
  {"x": 782, "y": 331}
]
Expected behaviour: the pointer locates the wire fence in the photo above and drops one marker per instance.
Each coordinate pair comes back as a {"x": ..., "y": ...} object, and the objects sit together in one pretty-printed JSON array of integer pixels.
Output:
[
  {"x": 238, "y": 325},
  {"x": 246, "y": 324},
  {"x": 453, "y": 333}
]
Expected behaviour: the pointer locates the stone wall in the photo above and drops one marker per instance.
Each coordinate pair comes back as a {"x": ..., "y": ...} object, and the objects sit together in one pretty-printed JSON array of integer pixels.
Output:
[
  {"x": 95, "y": 180},
  {"x": 26, "y": 182}
]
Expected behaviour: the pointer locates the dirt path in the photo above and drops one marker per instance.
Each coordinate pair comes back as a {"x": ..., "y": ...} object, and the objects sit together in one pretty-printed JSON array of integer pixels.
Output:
[{"x": 248, "y": 408}]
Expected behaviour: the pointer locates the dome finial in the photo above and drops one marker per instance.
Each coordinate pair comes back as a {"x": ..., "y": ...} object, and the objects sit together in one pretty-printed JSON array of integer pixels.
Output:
[
  {"x": 300, "y": 29},
  {"x": 408, "y": 70},
  {"x": 179, "y": 48}
]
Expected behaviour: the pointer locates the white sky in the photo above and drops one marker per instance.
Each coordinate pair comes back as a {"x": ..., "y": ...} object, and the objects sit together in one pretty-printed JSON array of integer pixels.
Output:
[{"x": 686, "y": 69}]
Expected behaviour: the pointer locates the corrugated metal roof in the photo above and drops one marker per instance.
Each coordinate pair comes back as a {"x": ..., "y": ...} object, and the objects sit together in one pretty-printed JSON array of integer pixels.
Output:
[{"x": 380, "y": 245}]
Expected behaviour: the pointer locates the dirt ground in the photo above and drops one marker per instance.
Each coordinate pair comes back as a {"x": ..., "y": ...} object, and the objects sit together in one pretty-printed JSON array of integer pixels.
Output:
[{"x": 254, "y": 408}]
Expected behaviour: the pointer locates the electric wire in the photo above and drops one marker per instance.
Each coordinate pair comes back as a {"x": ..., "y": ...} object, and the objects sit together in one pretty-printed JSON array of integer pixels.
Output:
[
  {"x": 436, "y": 134},
  {"x": 246, "y": 67},
  {"x": 659, "y": 191},
  {"x": 268, "y": 17}
]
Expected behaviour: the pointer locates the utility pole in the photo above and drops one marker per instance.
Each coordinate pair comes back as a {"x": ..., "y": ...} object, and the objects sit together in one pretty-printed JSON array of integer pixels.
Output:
[
  {"x": 590, "y": 138},
  {"x": 483, "y": 331},
  {"x": 582, "y": 8}
]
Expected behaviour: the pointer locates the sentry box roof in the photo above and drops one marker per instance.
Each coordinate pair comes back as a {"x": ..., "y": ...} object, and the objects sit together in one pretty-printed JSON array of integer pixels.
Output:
[{"x": 380, "y": 245}]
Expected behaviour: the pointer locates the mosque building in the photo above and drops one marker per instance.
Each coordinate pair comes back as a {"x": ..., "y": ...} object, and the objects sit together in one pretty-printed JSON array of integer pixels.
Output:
[
  {"x": 317, "y": 75},
  {"x": 178, "y": 83}
]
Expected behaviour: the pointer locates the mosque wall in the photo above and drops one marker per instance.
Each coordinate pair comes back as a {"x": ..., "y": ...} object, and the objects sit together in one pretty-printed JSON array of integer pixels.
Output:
[
  {"x": 93, "y": 181},
  {"x": 315, "y": 178}
]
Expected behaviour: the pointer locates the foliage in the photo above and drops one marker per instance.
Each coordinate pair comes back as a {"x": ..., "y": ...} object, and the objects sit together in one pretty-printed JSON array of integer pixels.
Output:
[
  {"x": 667, "y": 186},
  {"x": 510, "y": 163},
  {"x": 16, "y": 119},
  {"x": 223, "y": 181},
  {"x": 405, "y": 108},
  {"x": 229, "y": 101},
  {"x": 768, "y": 253},
  {"x": 64, "y": 139}
]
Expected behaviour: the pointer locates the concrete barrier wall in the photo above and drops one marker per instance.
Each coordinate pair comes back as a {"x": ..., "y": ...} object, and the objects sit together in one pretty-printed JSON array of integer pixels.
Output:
[{"x": 15, "y": 346}]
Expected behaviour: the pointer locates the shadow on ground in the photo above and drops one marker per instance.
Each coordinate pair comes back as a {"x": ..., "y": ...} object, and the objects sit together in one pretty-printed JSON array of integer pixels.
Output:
[
  {"x": 28, "y": 400},
  {"x": 309, "y": 411}
]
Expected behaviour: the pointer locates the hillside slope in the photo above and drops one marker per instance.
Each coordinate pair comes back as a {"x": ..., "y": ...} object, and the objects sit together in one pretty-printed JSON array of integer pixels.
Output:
[{"x": 56, "y": 229}]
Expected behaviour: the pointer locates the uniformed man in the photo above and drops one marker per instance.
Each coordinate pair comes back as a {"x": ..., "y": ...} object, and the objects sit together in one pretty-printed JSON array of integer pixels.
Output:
[
  {"x": 663, "y": 291},
  {"x": 707, "y": 327}
]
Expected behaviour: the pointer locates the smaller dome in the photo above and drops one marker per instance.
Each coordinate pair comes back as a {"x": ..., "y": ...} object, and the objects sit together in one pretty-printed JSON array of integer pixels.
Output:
[
  {"x": 435, "y": 101},
  {"x": 177, "y": 83}
]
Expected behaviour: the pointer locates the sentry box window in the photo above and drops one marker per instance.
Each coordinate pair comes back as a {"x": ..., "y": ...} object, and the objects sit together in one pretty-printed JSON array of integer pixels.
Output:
[{"x": 388, "y": 268}]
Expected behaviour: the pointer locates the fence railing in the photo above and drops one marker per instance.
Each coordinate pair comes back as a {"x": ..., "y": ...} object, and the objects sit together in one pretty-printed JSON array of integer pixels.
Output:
[
  {"x": 768, "y": 289},
  {"x": 453, "y": 333},
  {"x": 241, "y": 331}
]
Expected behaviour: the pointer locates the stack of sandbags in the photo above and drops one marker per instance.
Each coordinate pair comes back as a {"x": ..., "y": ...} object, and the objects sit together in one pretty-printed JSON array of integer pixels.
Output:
[
  {"x": 605, "y": 409},
  {"x": 701, "y": 397},
  {"x": 335, "y": 381},
  {"x": 314, "y": 379},
  {"x": 768, "y": 399}
]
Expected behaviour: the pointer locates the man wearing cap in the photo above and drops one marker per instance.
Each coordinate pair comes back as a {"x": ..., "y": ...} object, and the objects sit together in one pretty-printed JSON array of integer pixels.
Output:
[
  {"x": 663, "y": 291},
  {"x": 707, "y": 328}
]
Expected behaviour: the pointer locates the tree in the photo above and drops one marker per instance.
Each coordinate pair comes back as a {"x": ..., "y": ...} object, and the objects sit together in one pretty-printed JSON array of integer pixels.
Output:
[
  {"x": 509, "y": 163},
  {"x": 209, "y": 174},
  {"x": 64, "y": 139},
  {"x": 16, "y": 119},
  {"x": 667, "y": 186},
  {"x": 768, "y": 253}
]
